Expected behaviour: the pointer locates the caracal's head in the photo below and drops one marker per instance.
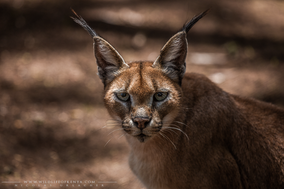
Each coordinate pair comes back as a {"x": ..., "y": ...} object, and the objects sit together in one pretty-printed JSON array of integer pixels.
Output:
[{"x": 144, "y": 96}]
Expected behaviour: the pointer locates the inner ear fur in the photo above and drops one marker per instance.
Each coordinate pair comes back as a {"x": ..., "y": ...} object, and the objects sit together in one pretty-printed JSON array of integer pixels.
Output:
[
  {"x": 109, "y": 61},
  {"x": 172, "y": 57}
]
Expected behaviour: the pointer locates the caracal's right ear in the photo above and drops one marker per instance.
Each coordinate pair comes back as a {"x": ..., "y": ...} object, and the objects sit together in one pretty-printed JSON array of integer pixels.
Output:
[{"x": 109, "y": 61}]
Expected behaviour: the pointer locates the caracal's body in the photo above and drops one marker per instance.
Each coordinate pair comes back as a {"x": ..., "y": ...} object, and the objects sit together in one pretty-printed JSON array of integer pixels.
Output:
[{"x": 183, "y": 130}]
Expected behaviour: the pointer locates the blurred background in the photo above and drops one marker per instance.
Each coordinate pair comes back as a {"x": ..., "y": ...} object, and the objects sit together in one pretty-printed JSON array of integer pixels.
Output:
[{"x": 53, "y": 125}]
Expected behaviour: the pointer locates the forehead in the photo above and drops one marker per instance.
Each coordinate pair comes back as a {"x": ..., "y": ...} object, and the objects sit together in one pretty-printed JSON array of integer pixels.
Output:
[{"x": 141, "y": 79}]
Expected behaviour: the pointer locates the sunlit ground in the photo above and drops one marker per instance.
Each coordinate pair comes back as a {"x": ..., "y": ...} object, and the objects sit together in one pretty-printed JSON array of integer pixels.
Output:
[{"x": 53, "y": 125}]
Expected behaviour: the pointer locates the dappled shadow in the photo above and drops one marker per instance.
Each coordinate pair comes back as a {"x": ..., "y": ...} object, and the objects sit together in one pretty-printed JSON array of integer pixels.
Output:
[
  {"x": 42, "y": 145},
  {"x": 51, "y": 100},
  {"x": 74, "y": 92},
  {"x": 48, "y": 21}
]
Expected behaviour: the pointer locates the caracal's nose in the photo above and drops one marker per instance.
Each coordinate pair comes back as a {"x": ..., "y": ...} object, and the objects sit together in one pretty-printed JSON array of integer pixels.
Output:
[{"x": 141, "y": 122}]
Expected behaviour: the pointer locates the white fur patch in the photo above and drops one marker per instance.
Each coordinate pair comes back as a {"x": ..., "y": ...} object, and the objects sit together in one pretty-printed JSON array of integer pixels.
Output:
[{"x": 141, "y": 112}]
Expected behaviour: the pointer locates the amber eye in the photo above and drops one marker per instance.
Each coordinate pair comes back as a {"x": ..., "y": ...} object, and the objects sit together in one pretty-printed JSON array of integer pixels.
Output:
[
  {"x": 123, "y": 96},
  {"x": 159, "y": 96}
]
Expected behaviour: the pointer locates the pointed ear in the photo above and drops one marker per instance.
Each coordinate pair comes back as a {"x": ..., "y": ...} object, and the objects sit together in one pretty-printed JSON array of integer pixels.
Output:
[
  {"x": 109, "y": 61},
  {"x": 172, "y": 57}
]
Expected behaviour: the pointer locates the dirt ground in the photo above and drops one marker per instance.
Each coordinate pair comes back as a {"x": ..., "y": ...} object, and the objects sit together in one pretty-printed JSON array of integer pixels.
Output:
[{"x": 53, "y": 125}]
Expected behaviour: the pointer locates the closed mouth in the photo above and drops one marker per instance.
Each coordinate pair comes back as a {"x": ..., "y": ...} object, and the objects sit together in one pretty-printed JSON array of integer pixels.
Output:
[{"x": 141, "y": 137}]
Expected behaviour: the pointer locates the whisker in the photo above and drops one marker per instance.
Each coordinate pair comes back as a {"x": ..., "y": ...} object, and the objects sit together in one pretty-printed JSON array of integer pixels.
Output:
[
  {"x": 179, "y": 130},
  {"x": 180, "y": 122},
  {"x": 167, "y": 125},
  {"x": 167, "y": 122},
  {"x": 166, "y": 129},
  {"x": 172, "y": 125},
  {"x": 121, "y": 136},
  {"x": 103, "y": 127},
  {"x": 115, "y": 124},
  {"x": 168, "y": 139},
  {"x": 108, "y": 141},
  {"x": 107, "y": 125},
  {"x": 162, "y": 135},
  {"x": 114, "y": 120},
  {"x": 109, "y": 120},
  {"x": 115, "y": 130},
  {"x": 112, "y": 137}
]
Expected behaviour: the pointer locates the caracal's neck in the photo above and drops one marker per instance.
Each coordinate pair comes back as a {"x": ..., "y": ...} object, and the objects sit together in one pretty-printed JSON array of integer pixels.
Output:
[{"x": 151, "y": 148}]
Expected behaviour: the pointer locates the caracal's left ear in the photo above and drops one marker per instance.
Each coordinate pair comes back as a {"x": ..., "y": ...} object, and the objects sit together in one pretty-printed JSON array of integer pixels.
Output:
[
  {"x": 172, "y": 56},
  {"x": 109, "y": 61}
]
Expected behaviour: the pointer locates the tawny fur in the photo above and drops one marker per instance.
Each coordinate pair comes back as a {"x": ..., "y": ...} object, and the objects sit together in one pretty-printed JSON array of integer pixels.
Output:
[
  {"x": 198, "y": 136},
  {"x": 233, "y": 142}
]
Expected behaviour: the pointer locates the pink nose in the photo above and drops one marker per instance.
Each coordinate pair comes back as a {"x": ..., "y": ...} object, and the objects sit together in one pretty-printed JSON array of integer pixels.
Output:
[{"x": 141, "y": 122}]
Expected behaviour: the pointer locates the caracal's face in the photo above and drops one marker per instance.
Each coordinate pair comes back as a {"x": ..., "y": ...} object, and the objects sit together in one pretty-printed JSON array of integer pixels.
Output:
[
  {"x": 144, "y": 97},
  {"x": 143, "y": 100}
]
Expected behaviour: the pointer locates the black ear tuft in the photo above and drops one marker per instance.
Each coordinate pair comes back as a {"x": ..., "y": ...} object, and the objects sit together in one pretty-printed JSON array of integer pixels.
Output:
[
  {"x": 110, "y": 62},
  {"x": 172, "y": 56},
  {"x": 79, "y": 20},
  {"x": 193, "y": 21}
]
